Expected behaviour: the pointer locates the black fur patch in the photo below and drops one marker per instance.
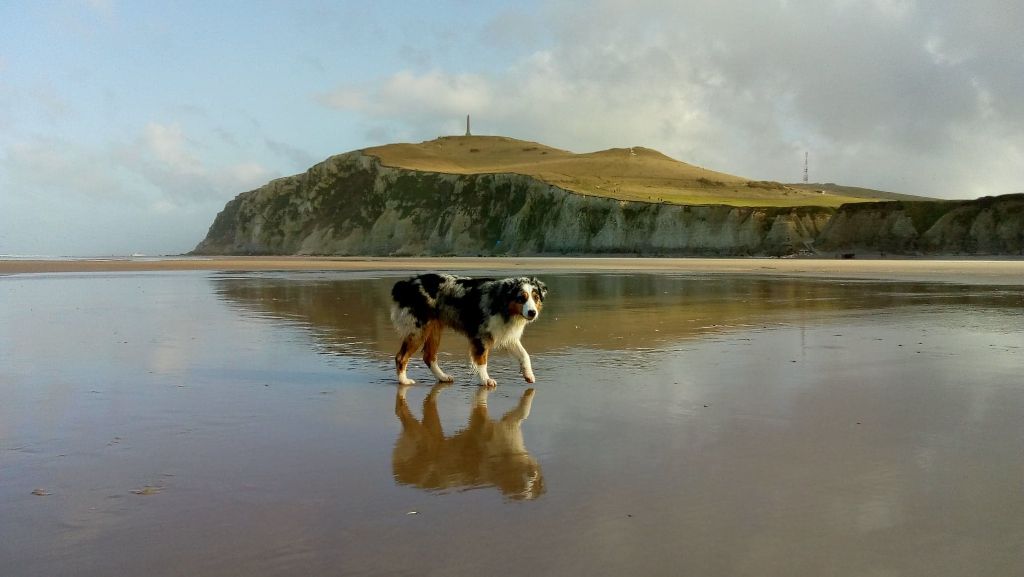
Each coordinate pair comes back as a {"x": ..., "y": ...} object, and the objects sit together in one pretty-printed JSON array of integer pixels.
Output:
[
  {"x": 431, "y": 283},
  {"x": 408, "y": 294}
]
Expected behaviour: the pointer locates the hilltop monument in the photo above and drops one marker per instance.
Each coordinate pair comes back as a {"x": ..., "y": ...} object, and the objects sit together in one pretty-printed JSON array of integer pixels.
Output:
[{"x": 467, "y": 126}]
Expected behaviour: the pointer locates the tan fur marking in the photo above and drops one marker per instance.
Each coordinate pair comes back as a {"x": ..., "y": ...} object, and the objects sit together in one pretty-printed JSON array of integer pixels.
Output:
[
  {"x": 480, "y": 359},
  {"x": 432, "y": 341},
  {"x": 410, "y": 345}
]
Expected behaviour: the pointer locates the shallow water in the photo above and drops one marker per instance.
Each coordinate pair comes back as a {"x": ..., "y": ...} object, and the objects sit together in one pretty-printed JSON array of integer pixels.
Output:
[{"x": 248, "y": 424}]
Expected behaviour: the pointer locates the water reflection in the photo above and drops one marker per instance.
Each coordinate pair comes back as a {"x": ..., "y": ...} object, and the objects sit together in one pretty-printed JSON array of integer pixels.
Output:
[
  {"x": 486, "y": 453},
  {"x": 598, "y": 311}
]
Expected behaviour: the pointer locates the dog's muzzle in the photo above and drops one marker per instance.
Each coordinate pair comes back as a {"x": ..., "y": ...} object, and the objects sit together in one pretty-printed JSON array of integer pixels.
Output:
[{"x": 530, "y": 315}]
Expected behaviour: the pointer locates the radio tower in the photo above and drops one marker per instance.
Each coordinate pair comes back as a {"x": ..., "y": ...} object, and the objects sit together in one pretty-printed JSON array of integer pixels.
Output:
[{"x": 805, "y": 167}]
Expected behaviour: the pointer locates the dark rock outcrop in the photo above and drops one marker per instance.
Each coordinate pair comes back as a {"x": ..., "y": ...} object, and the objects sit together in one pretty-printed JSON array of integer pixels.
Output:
[{"x": 986, "y": 226}]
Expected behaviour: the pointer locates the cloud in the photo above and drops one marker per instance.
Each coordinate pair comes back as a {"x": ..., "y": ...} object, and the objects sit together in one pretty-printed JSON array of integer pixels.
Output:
[
  {"x": 925, "y": 98},
  {"x": 166, "y": 145},
  {"x": 154, "y": 193},
  {"x": 448, "y": 94},
  {"x": 42, "y": 167},
  {"x": 539, "y": 98},
  {"x": 297, "y": 157},
  {"x": 163, "y": 157},
  {"x": 344, "y": 98}
]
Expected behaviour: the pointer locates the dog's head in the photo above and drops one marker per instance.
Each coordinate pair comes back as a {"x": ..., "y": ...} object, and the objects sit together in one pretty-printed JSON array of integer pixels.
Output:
[{"x": 526, "y": 297}]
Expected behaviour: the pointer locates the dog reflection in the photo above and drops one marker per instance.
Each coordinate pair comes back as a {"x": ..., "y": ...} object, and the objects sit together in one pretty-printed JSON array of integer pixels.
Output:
[{"x": 486, "y": 452}]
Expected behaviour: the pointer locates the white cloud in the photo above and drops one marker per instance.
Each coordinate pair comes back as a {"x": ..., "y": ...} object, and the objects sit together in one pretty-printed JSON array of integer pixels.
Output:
[
  {"x": 243, "y": 176},
  {"x": 298, "y": 158},
  {"x": 344, "y": 98},
  {"x": 154, "y": 194},
  {"x": 46, "y": 166},
  {"x": 166, "y": 144},
  {"x": 163, "y": 157},
  {"x": 433, "y": 93},
  {"x": 884, "y": 93},
  {"x": 544, "y": 98},
  {"x": 160, "y": 162}
]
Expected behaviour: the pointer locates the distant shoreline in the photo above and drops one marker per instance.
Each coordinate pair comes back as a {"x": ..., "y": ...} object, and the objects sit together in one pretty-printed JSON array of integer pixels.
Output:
[{"x": 965, "y": 271}]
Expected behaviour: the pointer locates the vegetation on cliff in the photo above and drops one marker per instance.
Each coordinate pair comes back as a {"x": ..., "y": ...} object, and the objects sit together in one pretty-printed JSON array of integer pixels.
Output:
[
  {"x": 446, "y": 199},
  {"x": 988, "y": 225},
  {"x": 352, "y": 205}
]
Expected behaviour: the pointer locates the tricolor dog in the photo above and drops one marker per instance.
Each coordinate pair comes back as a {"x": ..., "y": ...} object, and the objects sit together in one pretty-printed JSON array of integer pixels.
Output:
[{"x": 492, "y": 313}]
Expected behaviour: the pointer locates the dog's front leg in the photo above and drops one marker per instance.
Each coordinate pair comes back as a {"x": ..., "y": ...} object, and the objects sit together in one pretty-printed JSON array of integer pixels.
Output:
[
  {"x": 519, "y": 351},
  {"x": 478, "y": 353}
]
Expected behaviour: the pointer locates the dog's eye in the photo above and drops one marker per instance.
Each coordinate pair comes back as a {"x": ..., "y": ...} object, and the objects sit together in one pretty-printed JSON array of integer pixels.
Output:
[
  {"x": 536, "y": 296},
  {"x": 521, "y": 298}
]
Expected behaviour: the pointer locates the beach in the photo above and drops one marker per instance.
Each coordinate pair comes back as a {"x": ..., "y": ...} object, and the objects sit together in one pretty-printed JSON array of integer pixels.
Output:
[
  {"x": 996, "y": 271},
  {"x": 761, "y": 417}
]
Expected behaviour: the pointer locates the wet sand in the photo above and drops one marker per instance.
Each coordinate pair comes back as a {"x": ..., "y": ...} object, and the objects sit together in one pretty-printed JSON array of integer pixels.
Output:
[
  {"x": 246, "y": 423},
  {"x": 974, "y": 271}
]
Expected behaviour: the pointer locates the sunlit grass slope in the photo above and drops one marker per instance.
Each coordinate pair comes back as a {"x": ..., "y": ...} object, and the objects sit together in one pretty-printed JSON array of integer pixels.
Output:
[{"x": 635, "y": 173}]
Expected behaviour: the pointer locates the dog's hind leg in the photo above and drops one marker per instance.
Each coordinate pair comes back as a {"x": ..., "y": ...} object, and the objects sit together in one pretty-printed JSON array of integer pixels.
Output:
[
  {"x": 478, "y": 352},
  {"x": 410, "y": 345},
  {"x": 432, "y": 338}
]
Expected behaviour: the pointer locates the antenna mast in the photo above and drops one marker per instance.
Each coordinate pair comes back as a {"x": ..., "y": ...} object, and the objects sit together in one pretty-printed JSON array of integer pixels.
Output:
[{"x": 805, "y": 166}]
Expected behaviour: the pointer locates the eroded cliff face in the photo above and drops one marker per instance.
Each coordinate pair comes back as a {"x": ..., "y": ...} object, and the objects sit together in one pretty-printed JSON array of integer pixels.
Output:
[
  {"x": 352, "y": 205},
  {"x": 986, "y": 226}
]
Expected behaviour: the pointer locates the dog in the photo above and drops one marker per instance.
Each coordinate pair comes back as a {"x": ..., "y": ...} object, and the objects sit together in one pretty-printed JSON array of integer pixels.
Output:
[{"x": 492, "y": 313}]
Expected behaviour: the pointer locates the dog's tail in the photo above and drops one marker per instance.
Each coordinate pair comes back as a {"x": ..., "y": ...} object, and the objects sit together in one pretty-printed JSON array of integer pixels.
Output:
[
  {"x": 404, "y": 292},
  {"x": 414, "y": 302}
]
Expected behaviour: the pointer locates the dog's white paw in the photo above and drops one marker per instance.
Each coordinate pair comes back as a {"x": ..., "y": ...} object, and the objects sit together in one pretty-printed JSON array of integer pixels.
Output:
[
  {"x": 529, "y": 377},
  {"x": 489, "y": 383},
  {"x": 445, "y": 378},
  {"x": 406, "y": 381}
]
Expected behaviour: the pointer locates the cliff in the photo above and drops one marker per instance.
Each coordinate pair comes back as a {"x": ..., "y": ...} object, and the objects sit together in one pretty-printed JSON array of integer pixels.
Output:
[
  {"x": 353, "y": 205},
  {"x": 986, "y": 226}
]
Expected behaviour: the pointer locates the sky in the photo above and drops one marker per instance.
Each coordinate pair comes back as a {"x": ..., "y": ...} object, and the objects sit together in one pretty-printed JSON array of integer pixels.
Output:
[{"x": 126, "y": 126}]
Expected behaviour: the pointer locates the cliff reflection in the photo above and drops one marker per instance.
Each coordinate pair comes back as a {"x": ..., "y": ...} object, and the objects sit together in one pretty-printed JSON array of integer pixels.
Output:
[
  {"x": 600, "y": 311},
  {"x": 486, "y": 453}
]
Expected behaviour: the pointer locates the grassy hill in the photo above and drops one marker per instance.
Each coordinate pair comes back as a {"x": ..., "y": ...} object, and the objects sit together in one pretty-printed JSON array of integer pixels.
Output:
[
  {"x": 639, "y": 174},
  {"x": 857, "y": 192}
]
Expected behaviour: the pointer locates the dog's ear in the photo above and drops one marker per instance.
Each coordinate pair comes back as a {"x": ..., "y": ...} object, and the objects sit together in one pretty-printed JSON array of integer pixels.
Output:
[
  {"x": 541, "y": 287},
  {"x": 509, "y": 292}
]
